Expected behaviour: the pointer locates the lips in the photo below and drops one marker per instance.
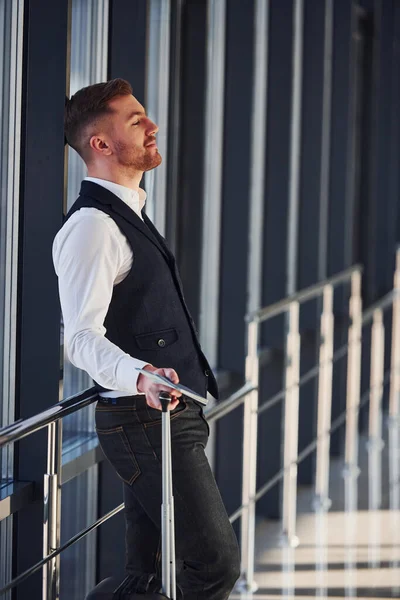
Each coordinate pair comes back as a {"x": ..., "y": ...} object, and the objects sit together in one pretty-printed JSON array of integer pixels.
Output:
[{"x": 153, "y": 143}]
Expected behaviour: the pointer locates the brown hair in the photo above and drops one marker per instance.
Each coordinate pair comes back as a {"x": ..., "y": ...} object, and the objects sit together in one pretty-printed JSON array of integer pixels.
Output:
[{"x": 87, "y": 105}]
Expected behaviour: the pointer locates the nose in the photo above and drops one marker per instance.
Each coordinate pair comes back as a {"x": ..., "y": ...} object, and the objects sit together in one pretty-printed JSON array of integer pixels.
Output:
[{"x": 152, "y": 128}]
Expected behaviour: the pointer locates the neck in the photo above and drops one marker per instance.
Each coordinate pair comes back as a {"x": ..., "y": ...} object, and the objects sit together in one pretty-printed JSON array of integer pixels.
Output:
[{"x": 129, "y": 180}]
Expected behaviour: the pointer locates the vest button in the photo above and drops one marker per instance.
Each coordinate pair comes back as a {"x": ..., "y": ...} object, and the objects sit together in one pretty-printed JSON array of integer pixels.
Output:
[
  {"x": 206, "y": 372},
  {"x": 161, "y": 343}
]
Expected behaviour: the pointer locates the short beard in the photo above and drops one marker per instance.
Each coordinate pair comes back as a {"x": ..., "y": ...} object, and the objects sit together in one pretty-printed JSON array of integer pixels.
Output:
[{"x": 139, "y": 162}]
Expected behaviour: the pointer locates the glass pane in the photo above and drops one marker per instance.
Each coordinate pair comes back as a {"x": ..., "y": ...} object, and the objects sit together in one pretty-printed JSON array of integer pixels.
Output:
[
  {"x": 6, "y": 528},
  {"x": 79, "y": 510}
]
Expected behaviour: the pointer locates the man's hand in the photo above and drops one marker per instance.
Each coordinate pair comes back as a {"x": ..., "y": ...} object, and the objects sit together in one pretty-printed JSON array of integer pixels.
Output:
[{"x": 152, "y": 389}]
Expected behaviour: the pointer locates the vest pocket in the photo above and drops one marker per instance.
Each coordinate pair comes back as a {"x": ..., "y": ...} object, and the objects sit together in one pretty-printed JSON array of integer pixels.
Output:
[
  {"x": 156, "y": 340},
  {"x": 117, "y": 450}
]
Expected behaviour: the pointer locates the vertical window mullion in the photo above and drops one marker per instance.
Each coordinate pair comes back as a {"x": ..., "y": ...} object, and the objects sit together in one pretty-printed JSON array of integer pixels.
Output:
[
  {"x": 157, "y": 99},
  {"x": 326, "y": 143},
  {"x": 212, "y": 197},
  {"x": 257, "y": 162},
  {"x": 295, "y": 136}
]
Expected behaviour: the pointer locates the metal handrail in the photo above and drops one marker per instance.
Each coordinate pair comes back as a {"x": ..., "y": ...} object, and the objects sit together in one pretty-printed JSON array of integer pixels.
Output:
[
  {"x": 24, "y": 427},
  {"x": 309, "y": 293},
  {"x": 248, "y": 395},
  {"x": 215, "y": 413},
  {"x": 226, "y": 406},
  {"x": 55, "y": 553},
  {"x": 340, "y": 353},
  {"x": 233, "y": 403},
  {"x": 312, "y": 446},
  {"x": 290, "y": 394},
  {"x": 382, "y": 304}
]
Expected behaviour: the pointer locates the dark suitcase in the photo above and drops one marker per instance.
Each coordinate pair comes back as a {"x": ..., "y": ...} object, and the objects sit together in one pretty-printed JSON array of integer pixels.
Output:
[{"x": 148, "y": 587}]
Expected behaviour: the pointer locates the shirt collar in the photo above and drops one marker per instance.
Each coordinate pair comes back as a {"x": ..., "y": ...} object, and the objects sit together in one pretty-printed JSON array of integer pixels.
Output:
[{"x": 135, "y": 200}]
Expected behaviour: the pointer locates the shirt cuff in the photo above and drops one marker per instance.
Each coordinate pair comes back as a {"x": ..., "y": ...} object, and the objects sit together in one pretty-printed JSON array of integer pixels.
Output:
[{"x": 127, "y": 375}]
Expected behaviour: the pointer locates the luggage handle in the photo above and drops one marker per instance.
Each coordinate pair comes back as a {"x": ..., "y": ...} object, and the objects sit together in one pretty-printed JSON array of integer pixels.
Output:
[{"x": 168, "y": 566}]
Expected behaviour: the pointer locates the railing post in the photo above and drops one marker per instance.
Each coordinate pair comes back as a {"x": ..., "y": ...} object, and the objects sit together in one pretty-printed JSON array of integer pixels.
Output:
[
  {"x": 249, "y": 475},
  {"x": 394, "y": 422},
  {"x": 375, "y": 442},
  {"x": 52, "y": 512},
  {"x": 394, "y": 498},
  {"x": 322, "y": 501},
  {"x": 291, "y": 427},
  {"x": 350, "y": 535},
  {"x": 321, "y": 554},
  {"x": 353, "y": 378},
  {"x": 394, "y": 398}
]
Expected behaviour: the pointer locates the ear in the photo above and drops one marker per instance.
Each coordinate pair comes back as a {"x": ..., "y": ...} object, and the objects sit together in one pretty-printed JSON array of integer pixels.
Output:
[{"x": 100, "y": 145}]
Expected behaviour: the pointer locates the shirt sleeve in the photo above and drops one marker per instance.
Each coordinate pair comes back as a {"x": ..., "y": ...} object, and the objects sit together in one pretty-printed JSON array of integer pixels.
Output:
[{"x": 87, "y": 259}]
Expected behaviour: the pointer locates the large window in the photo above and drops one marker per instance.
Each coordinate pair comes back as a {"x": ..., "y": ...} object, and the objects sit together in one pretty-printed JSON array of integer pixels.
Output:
[
  {"x": 11, "y": 16},
  {"x": 10, "y": 115}
]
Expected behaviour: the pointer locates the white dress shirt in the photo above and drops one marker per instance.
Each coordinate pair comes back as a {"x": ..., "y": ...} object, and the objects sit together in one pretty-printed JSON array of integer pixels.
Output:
[{"x": 91, "y": 255}]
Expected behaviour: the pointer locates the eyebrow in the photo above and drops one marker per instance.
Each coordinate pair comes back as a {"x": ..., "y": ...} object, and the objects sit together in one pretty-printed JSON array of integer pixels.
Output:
[{"x": 136, "y": 113}]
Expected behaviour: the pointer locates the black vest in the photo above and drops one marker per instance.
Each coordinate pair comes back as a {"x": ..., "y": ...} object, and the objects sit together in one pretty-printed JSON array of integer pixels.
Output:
[{"x": 147, "y": 316}]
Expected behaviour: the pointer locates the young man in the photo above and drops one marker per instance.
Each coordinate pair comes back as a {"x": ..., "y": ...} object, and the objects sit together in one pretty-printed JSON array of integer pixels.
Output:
[{"x": 123, "y": 307}]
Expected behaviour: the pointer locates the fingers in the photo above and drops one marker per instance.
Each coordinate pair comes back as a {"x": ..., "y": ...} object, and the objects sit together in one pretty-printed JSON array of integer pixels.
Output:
[
  {"x": 174, "y": 404},
  {"x": 171, "y": 374},
  {"x": 153, "y": 389},
  {"x": 165, "y": 388},
  {"x": 153, "y": 400}
]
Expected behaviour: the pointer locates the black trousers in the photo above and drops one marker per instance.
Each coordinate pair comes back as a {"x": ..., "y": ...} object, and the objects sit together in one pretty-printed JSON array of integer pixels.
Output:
[{"x": 207, "y": 553}]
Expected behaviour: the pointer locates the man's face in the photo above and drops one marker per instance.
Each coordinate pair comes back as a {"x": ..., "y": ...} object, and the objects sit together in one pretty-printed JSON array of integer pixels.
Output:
[{"x": 132, "y": 135}]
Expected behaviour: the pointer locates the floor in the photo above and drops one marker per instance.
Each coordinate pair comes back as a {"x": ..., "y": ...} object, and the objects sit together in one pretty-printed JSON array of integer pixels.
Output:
[{"x": 351, "y": 551}]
